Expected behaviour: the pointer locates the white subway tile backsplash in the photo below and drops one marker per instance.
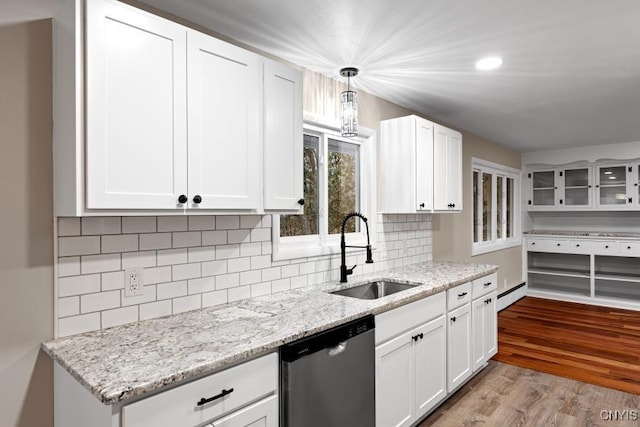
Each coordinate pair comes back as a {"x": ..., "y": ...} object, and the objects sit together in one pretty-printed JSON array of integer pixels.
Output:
[
  {"x": 202, "y": 285},
  {"x": 236, "y": 294},
  {"x": 202, "y": 253},
  {"x": 99, "y": 301},
  {"x": 210, "y": 299},
  {"x": 214, "y": 268},
  {"x": 239, "y": 236},
  {"x": 227, "y": 281},
  {"x": 99, "y": 263},
  {"x": 87, "y": 245},
  {"x": 186, "y": 271},
  {"x": 155, "y": 275},
  {"x": 202, "y": 223},
  {"x": 119, "y": 316},
  {"x": 250, "y": 249},
  {"x": 155, "y": 241},
  {"x": 261, "y": 289},
  {"x": 68, "y": 227},
  {"x": 192, "y": 262},
  {"x": 172, "y": 223},
  {"x": 68, "y": 266},
  {"x": 187, "y": 239},
  {"x": 93, "y": 226},
  {"x": 260, "y": 261},
  {"x": 69, "y": 306},
  {"x": 214, "y": 237},
  {"x": 250, "y": 221},
  {"x": 78, "y": 324},
  {"x": 172, "y": 256},
  {"x": 171, "y": 290},
  {"x": 238, "y": 264},
  {"x": 138, "y": 224},
  {"x": 227, "y": 222},
  {"x": 119, "y": 243},
  {"x": 153, "y": 310},
  {"x": 260, "y": 234},
  {"x": 188, "y": 303},
  {"x": 113, "y": 280},
  {"x": 138, "y": 259},
  {"x": 78, "y": 285}
]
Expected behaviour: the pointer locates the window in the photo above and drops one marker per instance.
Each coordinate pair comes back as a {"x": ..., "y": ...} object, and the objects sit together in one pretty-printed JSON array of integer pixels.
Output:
[
  {"x": 336, "y": 182},
  {"x": 495, "y": 206}
]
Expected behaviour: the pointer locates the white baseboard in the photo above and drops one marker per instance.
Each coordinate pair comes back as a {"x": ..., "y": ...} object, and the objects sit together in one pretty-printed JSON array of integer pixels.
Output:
[{"x": 505, "y": 301}]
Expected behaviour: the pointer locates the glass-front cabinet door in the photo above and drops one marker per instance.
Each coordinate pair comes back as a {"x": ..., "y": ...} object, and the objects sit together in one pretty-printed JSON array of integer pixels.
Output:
[
  {"x": 577, "y": 187},
  {"x": 543, "y": 189},
  {"x": 611, "y": 187}
]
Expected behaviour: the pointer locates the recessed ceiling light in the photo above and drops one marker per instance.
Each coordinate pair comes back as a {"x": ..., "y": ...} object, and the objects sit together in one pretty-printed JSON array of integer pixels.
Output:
[
  {"x": 608, "y": 172},
  {"x": 489, "y": 63},
  {"x": 612, "y": 177}
]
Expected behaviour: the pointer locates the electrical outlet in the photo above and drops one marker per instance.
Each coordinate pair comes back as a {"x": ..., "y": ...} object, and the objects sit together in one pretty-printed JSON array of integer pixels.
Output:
[{"x": 133, "y": 282}]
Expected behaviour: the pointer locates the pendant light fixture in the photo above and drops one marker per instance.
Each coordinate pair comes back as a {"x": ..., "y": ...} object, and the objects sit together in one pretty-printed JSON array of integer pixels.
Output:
[{"x": 349, "y": 105}]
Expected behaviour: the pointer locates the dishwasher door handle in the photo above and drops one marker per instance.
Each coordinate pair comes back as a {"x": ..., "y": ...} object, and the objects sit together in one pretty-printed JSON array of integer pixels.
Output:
[{"x": 334, "y": 351}]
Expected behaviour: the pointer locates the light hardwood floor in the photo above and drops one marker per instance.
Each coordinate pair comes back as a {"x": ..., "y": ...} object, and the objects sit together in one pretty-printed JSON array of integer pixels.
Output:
[{"x": 510, "y": 396}]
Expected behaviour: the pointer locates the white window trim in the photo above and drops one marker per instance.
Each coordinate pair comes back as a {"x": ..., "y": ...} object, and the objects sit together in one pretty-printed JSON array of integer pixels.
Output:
[
  {"x": 307, "y": 246},
  {"x": 495, "y": 244}
]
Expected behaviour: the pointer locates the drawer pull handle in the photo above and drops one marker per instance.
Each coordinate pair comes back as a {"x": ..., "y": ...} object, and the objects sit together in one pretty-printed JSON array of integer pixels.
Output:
[
  {"x": 487, "y": 284},
  {"x": 629, "y": 247},
  {"x": 462, "y": 294},
  {"x": 577, "y": 246},
  {"x": 557, "y": 244},
  {"x": 222, "y": 394},
  {"x": 606, "y": 247}
]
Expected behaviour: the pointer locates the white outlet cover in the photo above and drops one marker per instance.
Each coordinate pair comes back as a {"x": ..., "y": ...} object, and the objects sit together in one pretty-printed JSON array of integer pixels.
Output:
[{"x": 133, "y": 282}]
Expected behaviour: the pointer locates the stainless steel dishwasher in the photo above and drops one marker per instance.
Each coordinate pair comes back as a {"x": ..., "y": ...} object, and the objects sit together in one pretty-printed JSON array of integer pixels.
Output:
[{"x": 328, "y": 379}]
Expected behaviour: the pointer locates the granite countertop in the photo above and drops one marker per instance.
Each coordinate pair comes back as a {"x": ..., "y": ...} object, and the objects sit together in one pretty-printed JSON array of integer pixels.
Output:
[
  {"x": 603, "y": 234},
  {"x": 123, "y": 362}
]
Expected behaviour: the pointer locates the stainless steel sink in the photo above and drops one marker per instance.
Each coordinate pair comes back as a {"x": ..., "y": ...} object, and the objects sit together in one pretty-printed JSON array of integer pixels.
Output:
[{"x": 374, "y": 290}]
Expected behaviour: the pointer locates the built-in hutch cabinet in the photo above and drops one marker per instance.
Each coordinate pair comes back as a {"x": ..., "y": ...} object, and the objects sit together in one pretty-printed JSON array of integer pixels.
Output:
[
  {"x": 152, "y": 116},
  {"x": 420, "y": 166},
  {"x": 603, "y": 186}
]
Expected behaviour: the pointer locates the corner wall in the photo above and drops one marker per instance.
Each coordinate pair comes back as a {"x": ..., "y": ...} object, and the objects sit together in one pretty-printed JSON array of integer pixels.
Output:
[{"x": 26, "y": 247}]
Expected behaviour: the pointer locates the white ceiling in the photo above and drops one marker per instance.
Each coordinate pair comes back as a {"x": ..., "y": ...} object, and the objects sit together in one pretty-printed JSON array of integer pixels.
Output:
[{"x": 571, "y": 75}]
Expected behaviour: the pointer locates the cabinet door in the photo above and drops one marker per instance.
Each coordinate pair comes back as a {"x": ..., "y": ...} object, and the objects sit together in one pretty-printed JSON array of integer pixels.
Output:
[
  {"x": 490, "y": 323},
  {"x": 447, "y": 169},
  {"x": 136, "y": 136},
  {"x": 611, "y": 186},
  {"x": 478, "y": 309},
  {"x": 634, "y": 184},
  {"x": 576, "y": 187},
  {"x": 261, "y": 414},
  {"x": 543, "y": 189},
  {"x": 424, "y": 165},
  {"x": 283, "y": 161},
  {"x": 224, "y": 124},
  {"x": 395, "y": 382},
  {"x": 458, "y": 347},
  {"x": 430, "y": 353}
]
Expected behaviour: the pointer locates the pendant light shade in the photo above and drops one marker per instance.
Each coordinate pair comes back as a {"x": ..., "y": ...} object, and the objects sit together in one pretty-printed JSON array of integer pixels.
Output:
[{"x": 349, "y": 101}]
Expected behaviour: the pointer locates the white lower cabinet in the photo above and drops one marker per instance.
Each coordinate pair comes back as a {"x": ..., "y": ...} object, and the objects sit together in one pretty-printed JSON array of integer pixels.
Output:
[
  {"x": 410, "y": 368},
  {"x": 459, "y": 367},
  {"x": 485, "y": 322},
  {"x": 261, "y": 414}
]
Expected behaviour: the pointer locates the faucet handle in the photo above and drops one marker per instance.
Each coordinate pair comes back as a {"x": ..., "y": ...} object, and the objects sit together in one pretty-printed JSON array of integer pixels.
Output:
[{"x": 350, "y": 270}]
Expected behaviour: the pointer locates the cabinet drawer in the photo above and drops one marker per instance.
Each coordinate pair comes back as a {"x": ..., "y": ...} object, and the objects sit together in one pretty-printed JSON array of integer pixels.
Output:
[
  {"x": 179, "y": 406},
  {"x": 546, "y": 245},
  {"x": 580, "y": 247},
  {"x": 605, "y": 247},
  {"x": 401, "y": 319},
  {"x": 484, "y": 285},
  {"x": 458, "y": 296},
  {"x": 630, "y": 248}
]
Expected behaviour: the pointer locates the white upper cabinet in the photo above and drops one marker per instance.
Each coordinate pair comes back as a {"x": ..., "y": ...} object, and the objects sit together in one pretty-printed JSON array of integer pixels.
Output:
[
  {"x": 135, "y": 109},
  {"x": 224, "y": 124},
  {"x": 543, "y": 188},
  {"x": 447, "y": 169},
  {"x": 612, "y": 186},
  {"x": 424, "y": 161},
  {"x": 283, "y": 145},
  {"x": 577, "y": 187},
  {"x": 176, "y": 121}
]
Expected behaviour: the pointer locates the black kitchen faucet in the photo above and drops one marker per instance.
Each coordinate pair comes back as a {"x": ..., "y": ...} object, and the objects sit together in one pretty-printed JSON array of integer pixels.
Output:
[{"x": 344, "y": 271}]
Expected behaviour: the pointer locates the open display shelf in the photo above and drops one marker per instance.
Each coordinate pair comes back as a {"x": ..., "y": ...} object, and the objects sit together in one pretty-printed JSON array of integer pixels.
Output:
[{"x": 560, "y": 273}]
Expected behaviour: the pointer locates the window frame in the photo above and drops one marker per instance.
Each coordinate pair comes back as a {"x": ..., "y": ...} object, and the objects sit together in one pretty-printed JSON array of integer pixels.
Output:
[
  {"x": 496, "y": 242},
  {"x": 293, "y": 247}
]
